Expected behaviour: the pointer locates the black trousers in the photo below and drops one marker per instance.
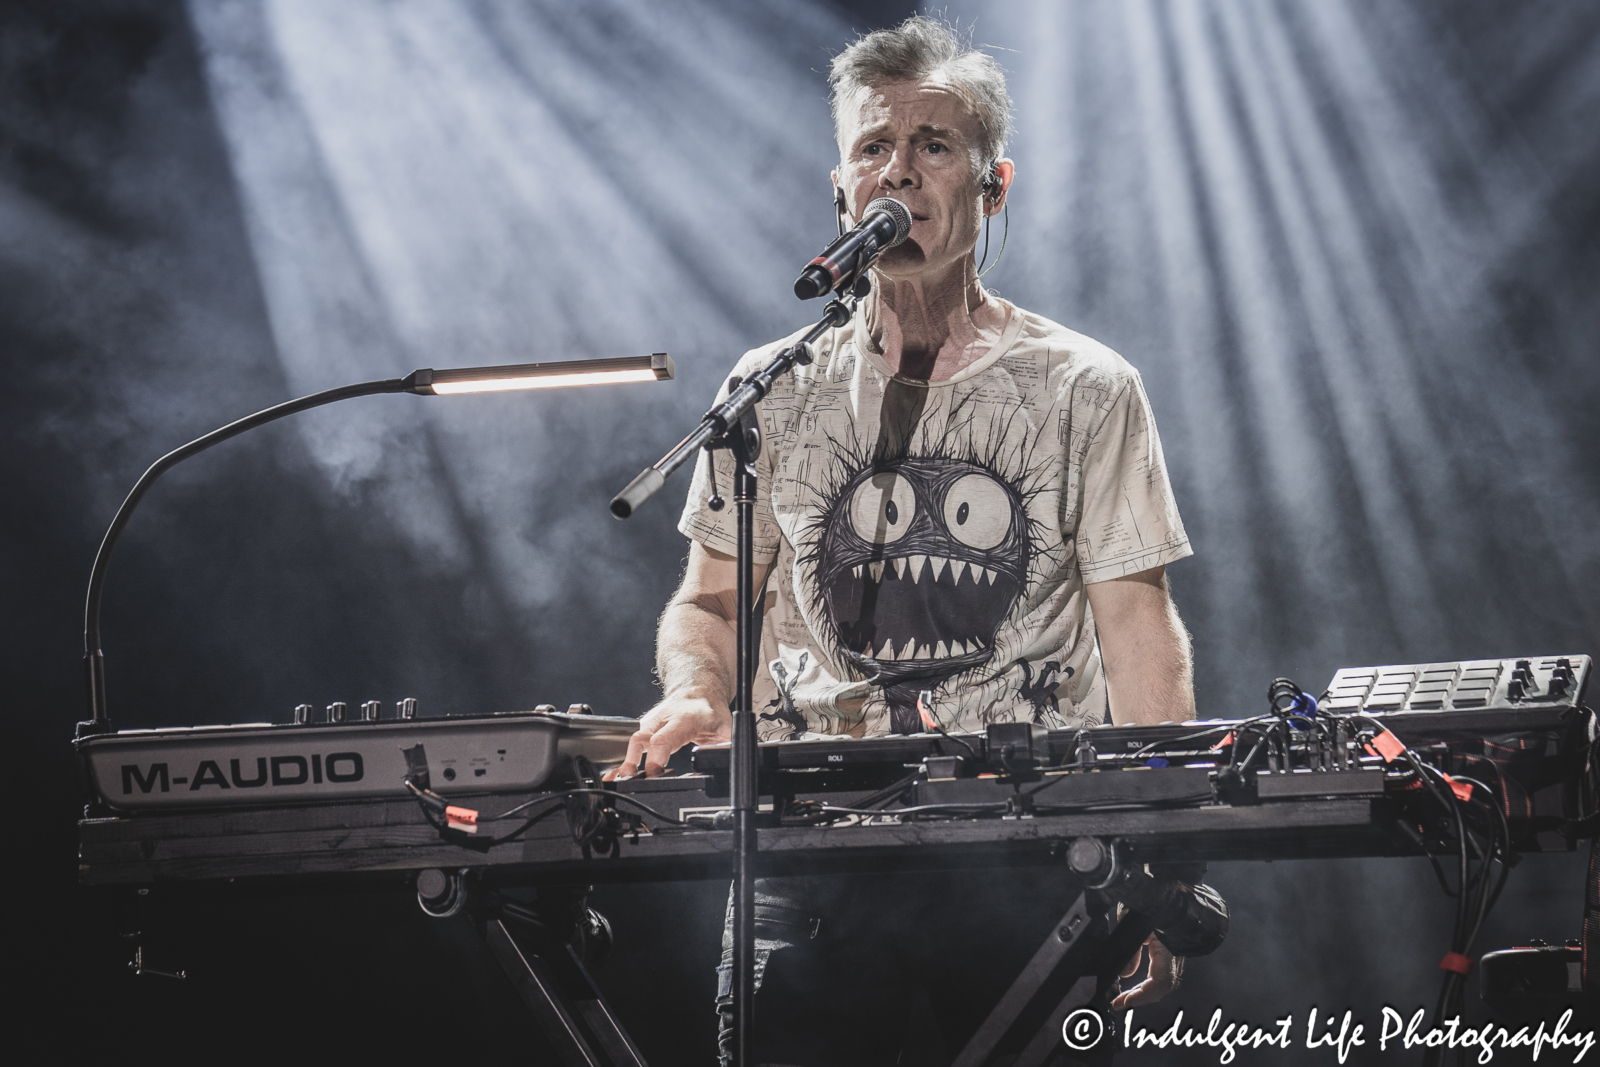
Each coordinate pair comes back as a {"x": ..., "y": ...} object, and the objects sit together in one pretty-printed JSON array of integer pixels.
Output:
[{"x": 903, "y": 968}]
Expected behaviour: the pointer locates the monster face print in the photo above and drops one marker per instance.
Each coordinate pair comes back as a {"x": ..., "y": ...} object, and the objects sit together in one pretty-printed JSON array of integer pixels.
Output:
[{"x": 921, "y": 560}]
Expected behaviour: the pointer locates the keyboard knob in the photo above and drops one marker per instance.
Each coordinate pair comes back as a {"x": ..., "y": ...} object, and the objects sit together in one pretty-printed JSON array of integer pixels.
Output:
[
  {"x": 371, "y": 711},
  {"x": 407, "y": 708},
  {"x": 302, "y": 714},
  {"x": 336, "y": 711}
]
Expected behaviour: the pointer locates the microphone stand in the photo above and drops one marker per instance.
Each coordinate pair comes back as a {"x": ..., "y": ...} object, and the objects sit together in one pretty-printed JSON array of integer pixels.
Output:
[{"x": 732, "y": 425}]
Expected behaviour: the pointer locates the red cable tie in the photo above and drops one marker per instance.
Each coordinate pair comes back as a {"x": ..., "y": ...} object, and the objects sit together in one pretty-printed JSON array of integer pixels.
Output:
[
  {"x": 1462, "y": 790},
  {"x": 1455, "y": 961},
  {"x": 463, "y": 819}
]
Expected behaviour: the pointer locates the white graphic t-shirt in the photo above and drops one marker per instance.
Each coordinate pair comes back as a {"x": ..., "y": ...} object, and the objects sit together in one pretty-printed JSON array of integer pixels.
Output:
[{"x": 939, "y": 536}]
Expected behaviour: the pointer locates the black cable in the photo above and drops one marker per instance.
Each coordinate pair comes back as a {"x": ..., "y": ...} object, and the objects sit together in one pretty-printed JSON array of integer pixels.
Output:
[
  {"x": 1120, "y": 802},
  {"x": 986, "y": 220},
  {"x": 971, "y": 810},
  {"x": 527, "y": 825},
  {"x": 925, "y": 712},
  {"x": 889, "y": 792},
  {"x": 1156, "y": 746},
  {"x": 1504, "y": 828},
  {"x": 1005, "y": 235},
  {"x": 1500, "y": 850},
  {"x": 1471, "y": 911},
  {"x": 622, "y": 798},
  {"x": 1471, "y": 908},
  {"x": 432, "y": 805}
]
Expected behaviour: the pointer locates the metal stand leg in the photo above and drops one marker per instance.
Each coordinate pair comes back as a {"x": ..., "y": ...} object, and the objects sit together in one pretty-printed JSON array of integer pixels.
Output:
[
  {"x": 1083, "y": 951},
  {"x": 571, "y": 1011},
  {"x": 537, "y": 946},
  {"x": 1094, "y": 987}
]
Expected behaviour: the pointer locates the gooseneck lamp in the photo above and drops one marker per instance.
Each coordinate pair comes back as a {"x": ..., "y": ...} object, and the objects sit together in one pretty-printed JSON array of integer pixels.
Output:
[{"x": 427, "y": 382}]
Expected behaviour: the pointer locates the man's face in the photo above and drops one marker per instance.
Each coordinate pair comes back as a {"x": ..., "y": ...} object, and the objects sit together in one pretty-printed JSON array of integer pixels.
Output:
[{"x": 915, "y": 141}]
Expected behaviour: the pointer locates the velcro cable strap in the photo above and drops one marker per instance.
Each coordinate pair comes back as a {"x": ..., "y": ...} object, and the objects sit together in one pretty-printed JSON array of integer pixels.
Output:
[
  {"x": 1388, "y": 746},
  {"x": 1455, "y": 961}
]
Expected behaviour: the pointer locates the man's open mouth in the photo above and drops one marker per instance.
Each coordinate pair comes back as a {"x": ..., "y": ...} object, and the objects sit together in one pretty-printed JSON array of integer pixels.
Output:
[{"x": 918, "y": 615}]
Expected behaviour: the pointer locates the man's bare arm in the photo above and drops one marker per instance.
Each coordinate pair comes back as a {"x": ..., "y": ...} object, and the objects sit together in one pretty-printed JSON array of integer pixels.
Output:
[
  {"x": 695, "y": 660},
  {"x": 1149, "y": 679},
  {"x": 1144, "y": 648}
]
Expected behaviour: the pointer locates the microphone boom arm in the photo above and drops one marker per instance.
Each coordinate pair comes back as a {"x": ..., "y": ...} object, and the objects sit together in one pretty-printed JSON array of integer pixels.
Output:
[{"x": 715, "y": 423}]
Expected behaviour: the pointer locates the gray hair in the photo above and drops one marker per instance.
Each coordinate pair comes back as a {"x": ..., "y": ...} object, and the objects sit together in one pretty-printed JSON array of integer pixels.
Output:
[{"x": 916, "y": 48}]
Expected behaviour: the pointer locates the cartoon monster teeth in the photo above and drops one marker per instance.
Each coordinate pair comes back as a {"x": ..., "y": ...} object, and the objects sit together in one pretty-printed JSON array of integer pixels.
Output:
[{"x": 914, "y": 518}]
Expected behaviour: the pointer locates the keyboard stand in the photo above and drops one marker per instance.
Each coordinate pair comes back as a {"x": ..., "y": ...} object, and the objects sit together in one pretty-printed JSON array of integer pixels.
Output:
[{"x": 1076, "y": 967}]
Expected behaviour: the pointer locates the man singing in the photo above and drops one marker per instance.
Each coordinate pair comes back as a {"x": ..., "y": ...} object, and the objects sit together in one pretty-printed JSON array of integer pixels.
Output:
[{"x": 957, "y": 496}]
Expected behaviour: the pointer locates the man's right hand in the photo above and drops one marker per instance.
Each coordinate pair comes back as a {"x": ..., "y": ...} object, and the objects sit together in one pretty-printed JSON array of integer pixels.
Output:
[
  {"x": 667, "y": 727},
  {"x": 695, "y": 662}
]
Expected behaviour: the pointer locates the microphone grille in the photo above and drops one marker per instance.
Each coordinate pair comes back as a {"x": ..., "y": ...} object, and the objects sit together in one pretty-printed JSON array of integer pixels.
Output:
[{"x": 897, "y": 211}]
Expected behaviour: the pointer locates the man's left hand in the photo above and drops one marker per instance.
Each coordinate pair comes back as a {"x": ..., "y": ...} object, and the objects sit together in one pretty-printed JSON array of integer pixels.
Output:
[{"x": 1166, "y": 974}]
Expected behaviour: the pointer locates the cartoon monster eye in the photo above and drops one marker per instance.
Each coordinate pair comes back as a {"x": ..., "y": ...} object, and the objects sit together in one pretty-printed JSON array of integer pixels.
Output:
[
  {"x": 882, "y": 508},
  {"x": 977, "y": 511}
]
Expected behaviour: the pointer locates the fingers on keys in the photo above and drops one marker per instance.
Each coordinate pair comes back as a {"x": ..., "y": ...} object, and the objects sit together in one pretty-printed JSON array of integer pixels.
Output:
[
  {"x": 630, "y": 763},
  {"x": 662, "y": 745}
]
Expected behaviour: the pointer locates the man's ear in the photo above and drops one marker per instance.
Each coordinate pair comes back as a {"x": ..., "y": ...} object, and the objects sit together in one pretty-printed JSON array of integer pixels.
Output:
[{"x": 994, "y": 197}]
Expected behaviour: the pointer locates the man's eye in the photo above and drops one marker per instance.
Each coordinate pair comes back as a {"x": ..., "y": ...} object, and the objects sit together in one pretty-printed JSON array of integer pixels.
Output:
[{"x": 935, "y": 147}]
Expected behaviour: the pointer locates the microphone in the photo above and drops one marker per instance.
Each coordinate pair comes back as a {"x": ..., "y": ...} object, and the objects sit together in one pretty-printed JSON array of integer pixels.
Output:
[{"x": 884, "y": 224}]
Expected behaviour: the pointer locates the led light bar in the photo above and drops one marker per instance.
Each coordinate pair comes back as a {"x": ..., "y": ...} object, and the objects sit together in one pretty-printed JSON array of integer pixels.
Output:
[{"x": 655, "y": 367}]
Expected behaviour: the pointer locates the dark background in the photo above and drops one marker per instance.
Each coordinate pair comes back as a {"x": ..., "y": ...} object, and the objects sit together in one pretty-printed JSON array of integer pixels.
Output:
[{"x": 1351, "y": 246}]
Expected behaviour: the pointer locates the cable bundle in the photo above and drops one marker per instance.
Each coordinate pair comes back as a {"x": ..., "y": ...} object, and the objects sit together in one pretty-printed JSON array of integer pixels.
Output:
[
  {"x": 592, "y": 817},
  {"x": 1471, "y": 813}
]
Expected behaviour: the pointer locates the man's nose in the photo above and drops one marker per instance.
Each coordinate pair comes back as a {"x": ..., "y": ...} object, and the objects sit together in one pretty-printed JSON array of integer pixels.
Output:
[{"x": 899, "y": 172}]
